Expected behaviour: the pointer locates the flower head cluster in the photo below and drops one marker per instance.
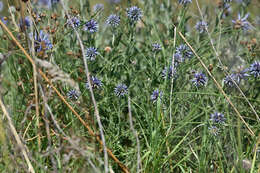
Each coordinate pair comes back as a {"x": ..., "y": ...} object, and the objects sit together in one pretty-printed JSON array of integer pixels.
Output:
[
  {"x": 95, "y": 83},
  {"x": 156, "y": 47},
  {"x": 184, "y": 2},
  {"x": 241, "y": 22},
  {"x": 74, "y": 21},
  {"x": 113, "y": 20},
  {"x": 214, "y": 130},
  {"x": 228, "y": 80},
  {"x": 134, "y": 14},
  {"x": 91, "y": 53},
  {"x": 178, "y": 58},
  {"x": 254, "y": 69},
  {"x": 200, "y": 79},
  {"x": 184, "y": 51},
  {"x": 98, "y": 7},
  {"x": 155, "y": 95},
  {"x": 201, "y": 26},
  {"x": 42, "y": 41},
  {"x": 73, "y": 94},
  {"x": 91, "y": 26},
  {"x": 121, "y": 90},
  {"x": 217, "y": 117},
  {"x": 168, "y": 72},
  {"x": 240, "y": 74}
]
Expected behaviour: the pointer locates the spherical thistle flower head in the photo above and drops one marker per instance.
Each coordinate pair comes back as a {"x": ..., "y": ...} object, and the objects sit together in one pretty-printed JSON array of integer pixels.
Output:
[
  {"x": 1, "y": 6},
  {"x": 91, "y": 26},
  {"x": 73, "y": 94},
  {"x": 156, "y": 47},
  {"x": 26, "y": 22},
  {"x": 214, "y": 130},
  {"x": 254, "y": 69},
  {"x": 217, "y": 117},
  {"x": 240, "y": 74},
  {"x": 134, "y": 14},
  {"x": 241, "y": 22},
  {"x": 98, "y": 7},
  {"x": 155, "y": 95},
  {"x": 185, "y": 51},
  {"x": 168, "y": 72},
  {"x": 42, "y": 41},
  {"x": 95, "y": 83},
  {"x": 113, "y": 20},
  {"x": 201, "y": 26},
  {"x": 74, "y": 22},
  {"x": 121, "y": 90},
  {"x": 200, "y": 79},
  {"x": 185, "y": 2},
  {"x": 91, "y": 53},
  {"x": 228, "y": 80},
  {"x": 4, "y": 20}
]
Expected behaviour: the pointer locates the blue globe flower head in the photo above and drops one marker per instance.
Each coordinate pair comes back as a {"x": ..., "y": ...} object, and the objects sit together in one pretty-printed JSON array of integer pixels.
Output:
[
  {"x": 98, "y": 7},
  {"x": 113, "y": 20},
  {"x": 121, "y": 90},
  {"x": 254, "y": 69},
  {"x": 26, "y": 22},
  {"x": 228, "y": 80},
  {"x": 242, "y": 23},
  {"x": 95, "y": 83},
  {"x": 42, "y": 41},
  {"x": 185, "y": 51},
  {"x": 201, "y": 26},
  {"x": 134, "y": 14},
  {"x": 4, "y": 20},
  {"x": 74, "y": 21},
  {"x": 156, "y": 47},
  {"x": 200, "y": 79},
  {"x": 217, "y": 117},
  {"x": 155, "y": 95},
  {"x": 73, "y": 94},
  {"x": 169, "y": 72},
  {"x": 91, "y": 26},
  {"x": 185, "y": 2},
  {"x": 240, "y": 74},
  {"x": 91, "y": 53},
  {"x": 178, "y": 58},
  {"x": 214, "y": 130}
]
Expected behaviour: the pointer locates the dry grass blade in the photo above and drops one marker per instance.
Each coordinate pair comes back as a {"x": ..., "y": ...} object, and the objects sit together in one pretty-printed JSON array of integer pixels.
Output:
[
  {"x": 122, "y": 166},
  {"x": 17, "y": 138},
  {"x": 218, "y": 85}
]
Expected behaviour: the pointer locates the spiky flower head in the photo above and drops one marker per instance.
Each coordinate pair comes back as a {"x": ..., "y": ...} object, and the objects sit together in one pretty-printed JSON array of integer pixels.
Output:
[
  {"x": 169, "y": 72},
  {"x": 228, "y": 80},
  {"x": 184, "y": 2},
  {"x": 98, "y": 7},
  {"x": 121, "y": 90},
  {"x": 254, "y": 69},
  {"x": 91, "y": 53},
  {"x": 217, "y": 117},
  {"x": 200, "y": 79},
  {"x": 155, "y": 95},
  {"x": 113, "y": 20},
  {"x": 42, "y": 41},
  {"x": 240, "y": 74},
  {"x": 74, "y": 21},
  {"x": 134, "y": 14},
  {"x": 214, "y": 130},
  {"x": 241, "y": 22},
  {"x": 95, "y": 83},
  {"x": 26, "y": 22},
  {"x": 73, "y": 94},
  {"x": 184, "y": 51},
  {"x": 91, "y": 26},
  {"x": 156, "y": 47},
  {"x": 201, "y": 26}
]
